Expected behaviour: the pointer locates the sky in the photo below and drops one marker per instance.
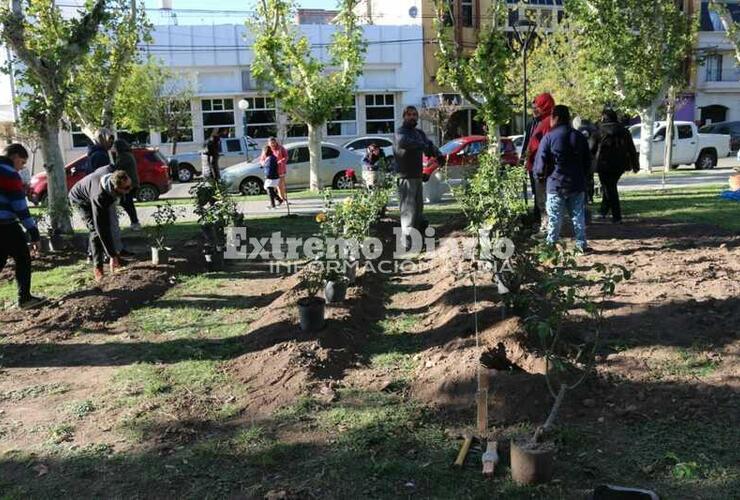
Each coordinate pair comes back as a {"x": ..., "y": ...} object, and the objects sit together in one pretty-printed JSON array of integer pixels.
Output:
[{"x": 228, "y": 11}]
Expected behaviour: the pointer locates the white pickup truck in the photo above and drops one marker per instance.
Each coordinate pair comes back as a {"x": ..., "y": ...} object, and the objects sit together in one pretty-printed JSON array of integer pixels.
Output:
[
  {"x": 689, "y": 146},
  {"x": 233, "y": 151}
]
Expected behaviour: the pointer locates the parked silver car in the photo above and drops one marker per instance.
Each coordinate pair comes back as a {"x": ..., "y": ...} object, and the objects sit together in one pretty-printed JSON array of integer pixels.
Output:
[{"x": 248, "y": 177}]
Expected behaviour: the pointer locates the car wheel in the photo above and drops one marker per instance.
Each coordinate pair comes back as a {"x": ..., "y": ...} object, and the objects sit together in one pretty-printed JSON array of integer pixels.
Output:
[
  {"x": 185, "y": 172},
  {"x": 251, "y": 186},
  {"x": 147, "y": 192},
  {"x": 706, "y": 160},
  {"x": 343, "y": 181}
]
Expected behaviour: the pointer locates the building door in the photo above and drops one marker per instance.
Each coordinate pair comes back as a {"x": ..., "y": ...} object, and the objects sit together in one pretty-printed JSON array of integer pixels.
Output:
[{"x": 713, "y": 114}]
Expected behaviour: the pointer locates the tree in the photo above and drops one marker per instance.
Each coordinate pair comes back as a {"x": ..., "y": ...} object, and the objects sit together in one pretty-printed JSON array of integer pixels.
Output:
[
  {"x": 153, "y": 97},
  {"x": 47, "y": 47},
  {"x": 732, "y": 28},
  {"x": 560, "y": 65},
  {"x": 440, "y": 116},
  {"x": 308, "y": 89},
  {"x": 111, "y": 57},
  {"x": 480, "y": 74},
  {"x": 645, "y": 45}
]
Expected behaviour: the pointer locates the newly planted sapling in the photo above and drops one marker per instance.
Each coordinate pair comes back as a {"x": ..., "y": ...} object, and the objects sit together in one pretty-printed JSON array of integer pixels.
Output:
[{"x": 164, "y": 218}]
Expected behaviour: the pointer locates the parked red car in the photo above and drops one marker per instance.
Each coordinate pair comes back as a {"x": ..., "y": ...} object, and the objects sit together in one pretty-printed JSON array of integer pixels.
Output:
[
  {"x": 462, "y": 156},
  {"x": 154, "y": 176}
]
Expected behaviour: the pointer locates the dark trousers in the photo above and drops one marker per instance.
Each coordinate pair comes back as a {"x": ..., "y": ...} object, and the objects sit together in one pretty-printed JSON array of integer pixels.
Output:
[
  {"x": 215, "y": 170},
  {"x": 127, "y": 202},
  {"x": 534, "y": 195},
  {"x": 13, "y": 244},
  {"x": 610, "y": 195},
  {"x": 95, "y": 245},
  {"x": 274, "y": 196}
]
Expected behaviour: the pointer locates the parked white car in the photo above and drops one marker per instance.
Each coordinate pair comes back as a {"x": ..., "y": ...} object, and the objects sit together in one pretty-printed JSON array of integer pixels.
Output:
[
  {"x": 689, "y": 146},
  {"x": 233, "y": 151},
  {"x": 248, "y": 178},
  {"x": 359, "y": 145},
  {"x": 518, "y": 141}
]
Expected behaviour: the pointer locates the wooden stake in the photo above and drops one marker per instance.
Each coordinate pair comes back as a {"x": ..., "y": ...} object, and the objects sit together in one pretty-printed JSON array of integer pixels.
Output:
[
  {"x": 460, "y": 460},
  {"x": 482, "y": 401}
]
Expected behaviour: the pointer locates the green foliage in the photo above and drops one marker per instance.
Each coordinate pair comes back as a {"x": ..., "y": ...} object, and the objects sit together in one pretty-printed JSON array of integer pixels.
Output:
[
  {"x": 283, "y": 61},
  {"x": 164, "y": 217},
  {"x": 644, "y": 45},
  {"x": 312, "y": 277},
  {"x": 111, "y": 57},
  {"x": 561, "y": 66},
  {"x": 50, "y": 47},
  {"x": 213, "y": 204},
  {"x": 463, "y": 70},
  {"x": 152, "y": 97},
  {"x": 493, "y": 198}
]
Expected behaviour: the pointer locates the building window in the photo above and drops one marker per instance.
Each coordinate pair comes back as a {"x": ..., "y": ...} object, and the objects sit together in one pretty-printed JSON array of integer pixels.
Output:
[
  {"x": 180, "y": 111},
  {"x": 344, "y": 121},
  {"x": 546, "y": 18},
  {"x": 513, "y": 17},
  {"x": 218, "y": 115},
  {"x": 79, "y": 139},
  {"x": 466, "y": 13},
  {"x": 714, "y": 68},
  {"x": 380, "y": 110},
  {"x": 297, "y": 130},
  {"x": 261, "y": 117}
]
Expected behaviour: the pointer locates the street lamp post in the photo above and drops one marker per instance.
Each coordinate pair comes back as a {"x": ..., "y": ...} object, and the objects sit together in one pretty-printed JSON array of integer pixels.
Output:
[
  {"x": 524, "y": 31},
  {"x": 243, "y": 107}
]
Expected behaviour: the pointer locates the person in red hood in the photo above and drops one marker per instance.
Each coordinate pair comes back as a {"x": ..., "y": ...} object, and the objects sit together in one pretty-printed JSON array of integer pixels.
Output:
[{"x": 542, "y": 110}]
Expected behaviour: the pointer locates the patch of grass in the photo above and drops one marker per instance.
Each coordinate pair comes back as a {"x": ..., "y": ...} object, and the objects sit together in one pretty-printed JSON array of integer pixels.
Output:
[
  {"x": 61, "y": 433},
  {"x": 700, "y": 205},
  {"x": 81, "y": 409},
  {"x": 394, "y": 344},
  {"x": 34, "y": 391},
  {"x": 52, "y": 283},
  {"x": 691, "y": 362},
  {"x": 141, "y": 379}
]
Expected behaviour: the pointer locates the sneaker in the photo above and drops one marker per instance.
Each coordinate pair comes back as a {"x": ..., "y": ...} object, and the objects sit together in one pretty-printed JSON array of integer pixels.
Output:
[
  {"x": 136, "y": 226},
  {"x": 98, "y": 274},
  {"x": 32, "y": 302}
]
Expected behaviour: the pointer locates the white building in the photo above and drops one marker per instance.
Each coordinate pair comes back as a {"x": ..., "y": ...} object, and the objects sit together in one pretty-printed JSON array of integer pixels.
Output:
[
  {"x": 717, "y": 93},
  {"x": 217, "y": 58}
]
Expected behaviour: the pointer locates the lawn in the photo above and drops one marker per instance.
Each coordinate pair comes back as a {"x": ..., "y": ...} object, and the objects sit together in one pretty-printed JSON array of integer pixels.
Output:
[{"x": 701, "y": 205}]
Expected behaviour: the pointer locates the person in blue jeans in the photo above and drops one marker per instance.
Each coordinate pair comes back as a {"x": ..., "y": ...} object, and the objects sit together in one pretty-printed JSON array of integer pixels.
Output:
[{"x": 564, "y": 160}]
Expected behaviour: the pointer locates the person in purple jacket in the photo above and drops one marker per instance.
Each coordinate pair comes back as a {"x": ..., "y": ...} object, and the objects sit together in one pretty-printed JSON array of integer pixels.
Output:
[
  {"x": 564, "y": 160},
  {"x": 14, "y": 214}
]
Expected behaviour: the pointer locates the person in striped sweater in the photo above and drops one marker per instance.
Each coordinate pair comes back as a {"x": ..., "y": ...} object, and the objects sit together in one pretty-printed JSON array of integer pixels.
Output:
[{"x": 14, "y": 214}]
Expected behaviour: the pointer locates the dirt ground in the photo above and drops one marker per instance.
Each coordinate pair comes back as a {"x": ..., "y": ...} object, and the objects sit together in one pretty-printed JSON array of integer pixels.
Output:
[{"x": 670, "y": 357}]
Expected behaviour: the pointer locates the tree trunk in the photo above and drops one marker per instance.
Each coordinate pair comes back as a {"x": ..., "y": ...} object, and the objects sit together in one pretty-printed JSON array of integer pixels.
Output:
[
  {"x": 668, "y": 155},
  {"x": 646, "y": 138},
  {"x": 314, "y": 148},
  {"x": 56, "y": 179}
]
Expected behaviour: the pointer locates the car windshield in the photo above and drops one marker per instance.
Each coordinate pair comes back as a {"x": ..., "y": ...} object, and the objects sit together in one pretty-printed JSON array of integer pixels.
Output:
[{"x": 450, "y": 147}]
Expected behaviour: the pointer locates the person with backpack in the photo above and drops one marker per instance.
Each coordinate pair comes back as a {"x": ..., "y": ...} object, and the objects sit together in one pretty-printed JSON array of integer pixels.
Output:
[
  {"x": 97, "y": 152},
  {"x": 615, "y": 154},
  {"x": 563, "y": 162}
]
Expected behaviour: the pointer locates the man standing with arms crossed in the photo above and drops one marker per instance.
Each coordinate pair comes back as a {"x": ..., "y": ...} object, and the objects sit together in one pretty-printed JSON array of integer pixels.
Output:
[
  {"x": 14, "y": 213},
  {"x": 410, "y": 144}
]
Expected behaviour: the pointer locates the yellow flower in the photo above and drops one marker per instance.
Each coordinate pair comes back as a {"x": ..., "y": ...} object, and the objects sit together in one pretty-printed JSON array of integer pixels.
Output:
[{"x": 321, "y": 217}]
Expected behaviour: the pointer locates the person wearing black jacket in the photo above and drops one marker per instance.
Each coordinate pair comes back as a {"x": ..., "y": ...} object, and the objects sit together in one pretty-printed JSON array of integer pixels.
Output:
[
  {"x": 213, "y": 151},
  {"x": 615, "y": 154},
  {"x": 97, "y": 153},
  {"x": 409, "y": 147},
  {"x": 93, "y": 198}
]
